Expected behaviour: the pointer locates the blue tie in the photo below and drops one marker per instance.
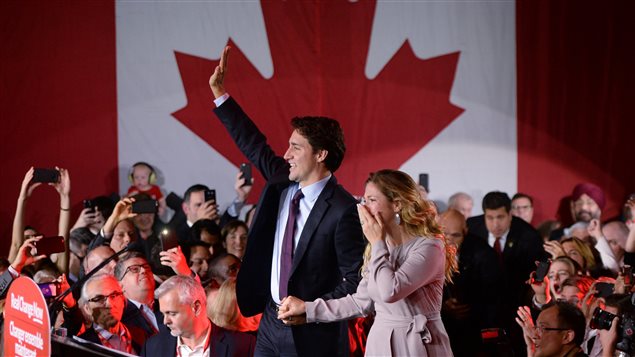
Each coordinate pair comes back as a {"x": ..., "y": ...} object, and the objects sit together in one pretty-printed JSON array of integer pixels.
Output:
[{"x": 286, "y": 256}]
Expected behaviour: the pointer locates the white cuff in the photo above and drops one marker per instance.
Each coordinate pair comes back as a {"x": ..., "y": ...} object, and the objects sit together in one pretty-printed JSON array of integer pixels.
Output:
[{"x": 220, "y": 100}]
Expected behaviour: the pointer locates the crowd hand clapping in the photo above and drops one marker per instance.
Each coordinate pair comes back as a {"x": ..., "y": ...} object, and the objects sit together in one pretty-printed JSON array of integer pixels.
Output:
[
  {"x": 372, "y": 226},
  {"x": 525, "y": 321},
  {"x": 292, "y": 311}
]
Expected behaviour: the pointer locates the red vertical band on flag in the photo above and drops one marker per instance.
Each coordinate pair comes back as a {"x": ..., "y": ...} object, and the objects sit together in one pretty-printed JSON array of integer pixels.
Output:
[{"x": 58, "y": 103}]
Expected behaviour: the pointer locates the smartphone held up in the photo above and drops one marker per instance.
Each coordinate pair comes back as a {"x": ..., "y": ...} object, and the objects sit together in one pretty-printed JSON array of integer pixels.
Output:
[
  {"x": 46, "y": 175},
  {"x": 48, "y": 245}
]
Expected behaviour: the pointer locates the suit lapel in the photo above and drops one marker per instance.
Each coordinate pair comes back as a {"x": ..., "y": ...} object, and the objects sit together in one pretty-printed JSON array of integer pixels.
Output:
[
  {"x": 218, "y": 343},
  {"x": 510, "y": 244},
  {"x": 171, "y": 346},
  {"x": 315, "y": 217}
]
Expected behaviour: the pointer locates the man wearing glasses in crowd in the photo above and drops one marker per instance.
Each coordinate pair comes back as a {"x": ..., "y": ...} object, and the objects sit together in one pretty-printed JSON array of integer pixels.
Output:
[
  {"x": 105, "y": 304},
  {"x": 559, "y": 331},
  {"x": 142, "y": 315}
]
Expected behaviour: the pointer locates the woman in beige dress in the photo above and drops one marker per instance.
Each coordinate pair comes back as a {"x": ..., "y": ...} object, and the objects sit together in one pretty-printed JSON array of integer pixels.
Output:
[{"x": 406, "y": 263}]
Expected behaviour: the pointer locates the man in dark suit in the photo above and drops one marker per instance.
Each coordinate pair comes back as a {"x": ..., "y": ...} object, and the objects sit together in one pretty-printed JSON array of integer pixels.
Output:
[
  {"x": 183, "y": 303},
  {"x": 141, "y": 314},
  {"x": 518, "y": 246},
  {"x": 470, "y": 302},
  {"x": 305, "y": 239}
]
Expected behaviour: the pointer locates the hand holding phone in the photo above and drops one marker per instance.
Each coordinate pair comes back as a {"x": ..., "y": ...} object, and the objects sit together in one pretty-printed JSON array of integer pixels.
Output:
[
  {"x": 90, "y": 205},
  {"x": 245, "y": 169},
  {"x": 46, "y": 175},
  {"x": 145, "y": 206},
  {"x": 49, "y": 245},
  {"x": 210, "y": 195},
  {"x": 604, "y": 289},
  {"x": 49, "y": 289},
  {"x": 541, "y": 271},
  {"x": 169, "y": 239}
]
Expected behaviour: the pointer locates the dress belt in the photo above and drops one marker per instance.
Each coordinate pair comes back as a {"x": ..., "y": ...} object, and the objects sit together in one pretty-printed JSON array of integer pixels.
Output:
[{"x": 416, "y": 324}]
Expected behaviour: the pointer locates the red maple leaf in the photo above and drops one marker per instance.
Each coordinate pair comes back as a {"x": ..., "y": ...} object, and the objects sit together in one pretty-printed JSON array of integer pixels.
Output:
[{"x": 319, "y": 52}]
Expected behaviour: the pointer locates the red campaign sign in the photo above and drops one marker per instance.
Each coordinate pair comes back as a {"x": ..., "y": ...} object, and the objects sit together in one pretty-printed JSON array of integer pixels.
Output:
[{"x": 26, "y": 325}]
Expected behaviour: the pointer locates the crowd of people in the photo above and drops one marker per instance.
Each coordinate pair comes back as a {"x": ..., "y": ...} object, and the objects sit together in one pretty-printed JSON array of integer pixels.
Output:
[{"x": 411, "y": 280}]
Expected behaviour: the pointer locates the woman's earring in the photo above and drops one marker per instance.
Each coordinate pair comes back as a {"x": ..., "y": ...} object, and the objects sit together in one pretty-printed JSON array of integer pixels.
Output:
[{"x": 397, "y": 218}]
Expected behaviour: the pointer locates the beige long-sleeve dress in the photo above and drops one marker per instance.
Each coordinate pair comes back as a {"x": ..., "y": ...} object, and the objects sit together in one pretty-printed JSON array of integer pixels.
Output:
[{"x": 404, "y": 286}]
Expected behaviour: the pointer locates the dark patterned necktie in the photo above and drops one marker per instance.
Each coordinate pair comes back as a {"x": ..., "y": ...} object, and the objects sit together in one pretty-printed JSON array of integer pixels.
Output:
[{"x": 286, "y": 255}]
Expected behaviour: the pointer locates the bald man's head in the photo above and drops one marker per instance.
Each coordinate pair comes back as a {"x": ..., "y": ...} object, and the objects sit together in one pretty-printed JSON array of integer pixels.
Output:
[
  {"x": 98, "y": 255},
  {"x": 616, "y": 234},
  {"x": 461, "y": 202},
  {"x": 453, "y": 224}
]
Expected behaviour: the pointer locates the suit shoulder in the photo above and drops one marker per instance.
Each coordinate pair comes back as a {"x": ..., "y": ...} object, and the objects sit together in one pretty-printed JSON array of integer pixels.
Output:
[
  {"x": 476, "y": 219},
  {"x": 337, "y": 196},
  {"x": 524, "y": 229},
  {"x": 160, "y": 342}
]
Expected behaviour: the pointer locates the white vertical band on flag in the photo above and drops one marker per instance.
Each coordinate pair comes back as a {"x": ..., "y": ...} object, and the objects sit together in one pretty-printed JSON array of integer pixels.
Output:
[{"x": 477, "y": 152}]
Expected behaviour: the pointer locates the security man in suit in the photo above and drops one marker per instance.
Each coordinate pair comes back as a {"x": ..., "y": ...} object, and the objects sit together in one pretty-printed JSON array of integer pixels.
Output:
[{"x": 518, "y": 247}]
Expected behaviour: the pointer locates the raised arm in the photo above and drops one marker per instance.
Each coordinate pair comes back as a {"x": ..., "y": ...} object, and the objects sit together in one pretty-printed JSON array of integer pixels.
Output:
[
  {"x": 122, "y": 210},
  {"x": 217, "y": 80},
  {"x": 17, "y": 236},
  {"x": 249, "y": 139},
  {"x": 242, "y": 192},
  {"x": 63, "y": 187}
]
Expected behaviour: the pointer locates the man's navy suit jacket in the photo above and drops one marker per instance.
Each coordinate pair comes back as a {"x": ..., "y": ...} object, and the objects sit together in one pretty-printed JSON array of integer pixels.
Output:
[{"x": 328, "y": 257}]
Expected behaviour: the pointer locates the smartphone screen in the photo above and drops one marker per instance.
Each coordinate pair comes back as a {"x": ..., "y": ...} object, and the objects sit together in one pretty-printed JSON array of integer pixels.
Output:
[
  {"x": 48, "y": 289},
  {"x": 210, "y": 195},
  {"x": 46, "y": 175},
  {"x": 90, "y": 204},
  {"x": 245, "y": 168},
  {"x": 541, "y": 272},
  {"x": 604, "y": 289},
  {"x": 49, "y": 245},
  {"x": 169, "y": 239},
  {"x": 423, "y": 181},
  {"x": 145, "y": 206}
]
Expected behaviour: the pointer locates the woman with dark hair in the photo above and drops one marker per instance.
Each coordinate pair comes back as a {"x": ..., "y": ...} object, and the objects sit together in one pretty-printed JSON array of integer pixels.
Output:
[
  {"x": 234, "y": 236},
  {"x": 406, "y": 263}
]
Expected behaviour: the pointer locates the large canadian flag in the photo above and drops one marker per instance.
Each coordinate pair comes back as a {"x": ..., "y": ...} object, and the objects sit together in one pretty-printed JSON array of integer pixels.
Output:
[
  {"x": 481, "y": 95},
  {"x": 427, "y": 87}
]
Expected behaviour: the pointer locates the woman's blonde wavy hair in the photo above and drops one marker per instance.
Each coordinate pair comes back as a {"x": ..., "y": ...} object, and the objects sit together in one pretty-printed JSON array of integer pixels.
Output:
[{"x": 418, "y": 217}]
